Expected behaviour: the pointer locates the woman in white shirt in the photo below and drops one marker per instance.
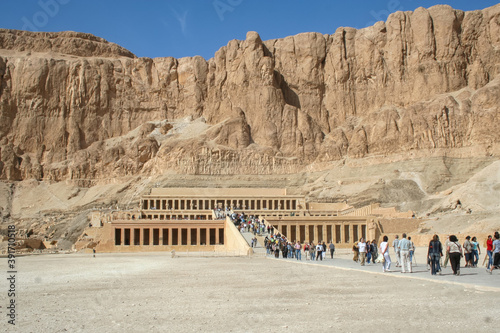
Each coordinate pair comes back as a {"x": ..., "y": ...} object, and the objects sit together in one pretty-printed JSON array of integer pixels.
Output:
[{"x": 384, "y": 250}]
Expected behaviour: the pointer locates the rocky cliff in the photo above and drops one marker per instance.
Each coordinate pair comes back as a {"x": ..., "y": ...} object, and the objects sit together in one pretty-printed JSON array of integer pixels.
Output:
[{"x": 74, "y": 106}]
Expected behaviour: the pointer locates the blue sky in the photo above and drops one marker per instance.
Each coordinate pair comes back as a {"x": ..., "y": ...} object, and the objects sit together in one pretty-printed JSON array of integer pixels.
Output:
[{"x": 162, "y": 28}]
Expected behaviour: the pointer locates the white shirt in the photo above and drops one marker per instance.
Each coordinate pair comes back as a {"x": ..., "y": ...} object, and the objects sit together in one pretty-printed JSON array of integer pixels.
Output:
[{"x": 362, "y": 247}]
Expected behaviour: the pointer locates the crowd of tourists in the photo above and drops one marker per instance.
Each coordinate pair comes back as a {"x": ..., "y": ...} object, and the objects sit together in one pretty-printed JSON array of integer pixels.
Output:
[
  {"x": 249, "y": 223},
  {"x": 452, "y": 251},
  {"x": 367, "y": 252},
  {"x": 277, "y": 244}
]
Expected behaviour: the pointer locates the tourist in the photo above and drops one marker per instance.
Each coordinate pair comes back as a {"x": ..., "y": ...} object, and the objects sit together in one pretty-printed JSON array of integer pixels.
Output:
[
  {"x": 323, "y": 252},
  {"x": 374, "y": 250},
  {"x": 455, "y": 251},
  {"x": 395, "y": 245},
  {"x": 489, "y": 251},
  {"x": 319, "y": 251},
  {"x": 496, "y": 254},
  {"x": 412, "y": 250},
  {"x": 434, "y": 253},
  {"x": 368, "y": 251},
  {"x": 476, "y": 251},
  {"x": 404, "y": 250},
  {"x": 312, "y": 250},
  {"x": 384, "y": 250},
  {"x": 289, "y": 250},
  {"x": 306, "y": 250},
  {"x": 297, "y": 250},
  {"x": 468, "y": 252},
  {"x": 276, "y": 250},
  {"x": 332, "y": 249},
  {"x": 447, "y": 253},
  {"x": 362, "y": 250},
  {"x": 355, "y": 250}
]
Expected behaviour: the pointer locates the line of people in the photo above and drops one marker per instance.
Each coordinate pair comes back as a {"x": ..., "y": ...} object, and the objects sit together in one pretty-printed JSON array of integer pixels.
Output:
[
  {"x": 276, "y": 244},
  {"x": 404, "y": 251}
]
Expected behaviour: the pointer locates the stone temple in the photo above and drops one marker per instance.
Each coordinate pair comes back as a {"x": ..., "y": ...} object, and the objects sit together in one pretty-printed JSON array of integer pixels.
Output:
[{"x": 197, "y": 219}]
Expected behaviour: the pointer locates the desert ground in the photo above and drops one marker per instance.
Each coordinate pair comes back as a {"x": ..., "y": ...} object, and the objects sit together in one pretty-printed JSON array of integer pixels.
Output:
[{"x": 157, "y": 293}]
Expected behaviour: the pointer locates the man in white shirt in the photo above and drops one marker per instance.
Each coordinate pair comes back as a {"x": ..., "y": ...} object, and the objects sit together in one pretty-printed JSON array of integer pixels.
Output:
[
  {"x": 319, "y": 250},
  {"x": 362, "y": 251},
  {"x": 404, "y": 246}
]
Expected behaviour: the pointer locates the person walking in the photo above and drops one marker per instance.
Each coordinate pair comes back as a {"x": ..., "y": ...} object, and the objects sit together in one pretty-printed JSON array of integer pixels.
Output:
[
  {"x": 412, "y": 250},
  {"x": 355, "y": 250},
  {"x": 374, "y": 249},
  {"x": 368, "y": 252},
  {"x": 446, "y": 250},
  {"x": 384, "y": 251},
  {"x": 489, "y": 251},
  {"x": 395, "y": 245},
  {"x": 404, "y": 246},
  {"x": 319, "y": 251},
  {"x": 362, "y": 250},
  {"x": 455, "y": 251},
  {"x": 434, "y": 253},
  {"x": 476, "y": 251},
  {"x": 496, "y": 254},
  {"x": 332, "y": 249},
  {"x": 298, "y": 255},
  {"x": 468, "y": 252}
]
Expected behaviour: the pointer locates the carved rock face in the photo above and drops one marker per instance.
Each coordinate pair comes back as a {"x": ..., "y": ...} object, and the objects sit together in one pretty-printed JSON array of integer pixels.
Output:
[{"x": 75, "y": 106}]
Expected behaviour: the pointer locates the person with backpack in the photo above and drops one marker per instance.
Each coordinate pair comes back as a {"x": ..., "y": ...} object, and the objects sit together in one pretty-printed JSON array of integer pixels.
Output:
[{"x": 455, "y": 251}]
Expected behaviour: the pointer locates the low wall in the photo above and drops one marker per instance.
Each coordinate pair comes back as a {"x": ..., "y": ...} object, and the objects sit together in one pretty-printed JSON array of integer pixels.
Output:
[{"x": 234, "y": 241}]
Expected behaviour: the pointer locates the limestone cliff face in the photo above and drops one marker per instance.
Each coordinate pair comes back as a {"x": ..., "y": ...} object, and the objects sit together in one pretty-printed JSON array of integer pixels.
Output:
[{"x": 73, "y": 106}]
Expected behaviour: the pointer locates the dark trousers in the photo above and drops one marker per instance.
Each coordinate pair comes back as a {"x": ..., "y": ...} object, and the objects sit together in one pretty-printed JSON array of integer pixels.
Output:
[
  {"x": 455, "y": 262},
  {"x": 331, "y": 252}
]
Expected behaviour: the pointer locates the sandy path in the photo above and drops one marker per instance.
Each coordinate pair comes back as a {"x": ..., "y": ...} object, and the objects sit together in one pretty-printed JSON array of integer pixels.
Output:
[{"x": 153, "y": 293}]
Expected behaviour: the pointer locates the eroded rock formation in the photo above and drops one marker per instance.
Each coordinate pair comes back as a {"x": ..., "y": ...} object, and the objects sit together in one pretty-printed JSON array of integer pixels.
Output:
[{"x": 73, "y": 106}]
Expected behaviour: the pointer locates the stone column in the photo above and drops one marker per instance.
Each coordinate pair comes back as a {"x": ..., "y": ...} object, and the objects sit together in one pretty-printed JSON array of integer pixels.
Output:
[
  {"x": 334, "y": 233},
  {"x": 344, "y": 235},
  {"x": 217, "y": 236},
  {"x": 351, "y": 233},
  {"x": 169, "y": 236},
  {"x": 122, "y": 236},
  {"x": 306, "y": 228},
  {"x": 289, "y": 232},
  {"x": 151, "y": 239},
  {"x": 198, "y": 234},
  {"x": 189, "y": 236}
]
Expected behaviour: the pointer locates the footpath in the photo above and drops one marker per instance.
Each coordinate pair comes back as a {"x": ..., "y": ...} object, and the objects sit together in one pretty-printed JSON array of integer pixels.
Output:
[{"x": 476, "y": 278}]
